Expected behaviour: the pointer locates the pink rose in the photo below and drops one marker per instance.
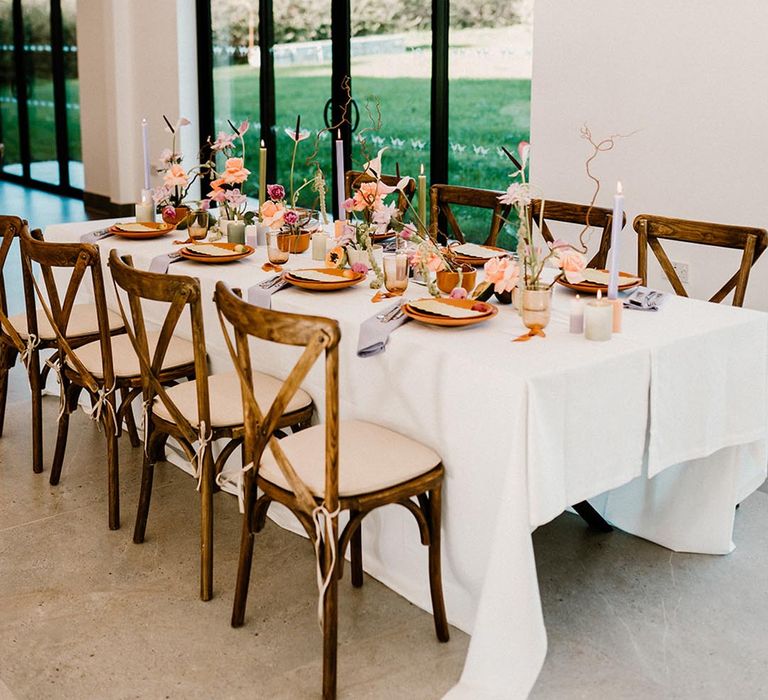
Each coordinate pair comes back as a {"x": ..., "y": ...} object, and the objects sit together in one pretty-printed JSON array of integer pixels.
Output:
[
  {"x": 276, "y": 192},
  {"x": 169, "y": 212},
  {"x": 175, "y": 176},
  {"x": 458, "y": 293},
  {"x": 290, "y": 217},
  {"x": 503, "y": 273},
  {"x": 235, "y": 172}
]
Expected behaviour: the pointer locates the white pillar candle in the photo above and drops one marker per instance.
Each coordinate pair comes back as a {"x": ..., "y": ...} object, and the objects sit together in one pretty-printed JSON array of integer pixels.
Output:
[
  {"x": 577, "y": 315},
  {"x": 145, "y": 212},
  {"x": 340, "y": 175},
  {"x": 319, "y": 240},
  {"x": 145, "y": 146},
  {"x": 262, "y": 176},
  {"x": 598, "y": 319},
  {"x": 618, "y": 219}
]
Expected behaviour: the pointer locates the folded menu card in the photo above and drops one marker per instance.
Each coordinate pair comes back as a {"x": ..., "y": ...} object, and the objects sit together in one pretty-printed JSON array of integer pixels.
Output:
[
  {"x": 473, "y": 250},
  {"x": 209, "y": 249},
  {"x": 135, "y": 228},
  {"x": 440, "y": 308},
  {"x": 315, "y": 276}
]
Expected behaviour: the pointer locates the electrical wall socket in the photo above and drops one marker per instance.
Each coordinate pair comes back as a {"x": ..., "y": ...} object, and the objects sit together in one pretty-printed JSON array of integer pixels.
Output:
[{"x": 682, "y": 271}]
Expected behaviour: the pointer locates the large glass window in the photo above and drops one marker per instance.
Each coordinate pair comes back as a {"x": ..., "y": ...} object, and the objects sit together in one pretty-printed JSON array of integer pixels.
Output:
[
  {"x": 10, "y": 158},
  {"x": 490, "y": 97},
  {"x": 391, "y": 53},
  {"x": 72, "y": 92}
]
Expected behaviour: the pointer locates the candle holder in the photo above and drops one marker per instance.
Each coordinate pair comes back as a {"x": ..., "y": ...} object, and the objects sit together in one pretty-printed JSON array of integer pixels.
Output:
[{"x": 536, "y": 306}]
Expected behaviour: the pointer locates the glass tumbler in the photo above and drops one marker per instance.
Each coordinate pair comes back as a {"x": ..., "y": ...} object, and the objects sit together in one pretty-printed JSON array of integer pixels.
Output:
[{"x": 395, "y": 272}]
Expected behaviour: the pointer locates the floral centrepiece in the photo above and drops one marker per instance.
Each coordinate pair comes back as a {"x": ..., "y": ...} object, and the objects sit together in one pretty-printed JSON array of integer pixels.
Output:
[{"x": 169, "y": 196}]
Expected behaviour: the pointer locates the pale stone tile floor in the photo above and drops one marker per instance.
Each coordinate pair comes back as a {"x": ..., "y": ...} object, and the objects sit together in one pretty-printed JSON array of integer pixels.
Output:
[{"x": 85, "y": 613}]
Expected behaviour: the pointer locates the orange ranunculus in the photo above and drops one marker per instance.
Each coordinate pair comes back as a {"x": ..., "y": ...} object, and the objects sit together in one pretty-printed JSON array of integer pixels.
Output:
[
  {"x": 272, "y": 214},
  {"x": 235, "y": 172},
  {"x": 175, "y": 176}
]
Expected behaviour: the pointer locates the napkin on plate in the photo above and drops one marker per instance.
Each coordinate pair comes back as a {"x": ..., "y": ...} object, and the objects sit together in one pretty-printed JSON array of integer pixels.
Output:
[
  {"x": 161, "y": 263},
  {"x": 439, "y": 308},
  {"x": 209, "y": 249},
  {"x": 94, "y": 236},
  {"x": 473, "y": 250},
  {"x": 261, "y": 294},
  {"x": 316, "y": 276},
  {"x": 374, "y": 332}
]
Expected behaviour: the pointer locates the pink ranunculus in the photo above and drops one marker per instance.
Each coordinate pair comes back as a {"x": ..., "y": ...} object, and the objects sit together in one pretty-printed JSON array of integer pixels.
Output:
[
  {"x": 276, "y": 192},
  {"x": 360, "y": 267},
  {"x": 458, "y": 293},
  {"x": 175, "y": 176},
  {"x": 290, "y": 217},
  {"x": 349, "y": 204},
  {"x": 235, "y": 172},
  {"x": 169, "y": 212},
  {"x": 517, "y": 193},
  {"x": 572, "y": 263},
  {"x": 409, "y": 230},
  {"x": 217, "y": 195},
  {"x": 235, "y": 197},
  {"x": 503, "y": 273}
]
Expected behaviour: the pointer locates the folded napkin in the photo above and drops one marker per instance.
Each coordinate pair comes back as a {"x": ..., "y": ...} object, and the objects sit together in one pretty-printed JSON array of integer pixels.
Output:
[
  {"x": 440, "y": 308},
  {"x": 644, "y": 299},
  {"x": 374, "y": 332},
  {"x": 589, "y": 274},
  {"x": 94, "y": 236},
  {"x": 161, "y": 263},
  {"x": 473, "y": 250},
  {"x": 261, "y": 294},
  {"x": 135, "y": 228},
  {"x": 316, "y": 276},
  {"x": 209, "y": 249}
]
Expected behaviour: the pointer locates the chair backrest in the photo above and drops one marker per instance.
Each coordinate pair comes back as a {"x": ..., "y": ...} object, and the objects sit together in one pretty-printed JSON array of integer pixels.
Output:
[
  {"x": 317, "y": 336},
  {"x": 651, "y": 230},
  {"x": 179, "y": 292},
  {"x": 353, "y": 178},
  {"x": 84, "y": 261},
  {"x": 10, "y": 231},
  {"x": 443, "y": 197},
  {"x": 579, "y": 214}
]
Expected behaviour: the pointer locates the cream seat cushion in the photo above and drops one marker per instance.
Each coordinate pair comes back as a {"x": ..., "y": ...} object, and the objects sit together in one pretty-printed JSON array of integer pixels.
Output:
[
  {"x": 124, "y": 359},
  {"x": 370, "y": 458},
  {"x": 83, "y": 321},
  {"x": 226, "y": 400}
]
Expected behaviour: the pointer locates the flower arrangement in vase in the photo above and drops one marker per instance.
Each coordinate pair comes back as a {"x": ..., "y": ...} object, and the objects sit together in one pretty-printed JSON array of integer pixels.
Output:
[
  {"x": 227, "y": 185},
  {"x": 169, "y": 197}
]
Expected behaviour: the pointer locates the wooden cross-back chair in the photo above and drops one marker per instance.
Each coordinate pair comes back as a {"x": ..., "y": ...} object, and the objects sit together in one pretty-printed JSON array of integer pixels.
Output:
[
  {"x": 199, "y": 411},
  {"x": 318, "y": 472},
  {"x": 651, "y": 230},
  {"x": 578, "y": 214},
  {"x": 443, "y": 197},
  {"x": 353, "y": 178},
  {"x": 104, "y": 368}
]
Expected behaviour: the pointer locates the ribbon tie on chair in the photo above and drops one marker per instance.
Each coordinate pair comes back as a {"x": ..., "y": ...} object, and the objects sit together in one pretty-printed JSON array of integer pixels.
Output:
[
  {"x": 55, "y": 365},
  {"x": 199, "y": 458},
  {"x": 32, "y": 342},
  {"x": 102, "y": 400},
  {"x": 223, "y": 478},
  {"x": 323, "y": 522}
]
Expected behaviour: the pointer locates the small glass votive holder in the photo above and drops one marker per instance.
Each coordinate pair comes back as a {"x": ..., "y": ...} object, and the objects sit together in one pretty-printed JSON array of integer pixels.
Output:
[
  {"x": 199, "y": 222},
  {"x": 278, "y": 254},
  {"x": 395, "y": 272}
]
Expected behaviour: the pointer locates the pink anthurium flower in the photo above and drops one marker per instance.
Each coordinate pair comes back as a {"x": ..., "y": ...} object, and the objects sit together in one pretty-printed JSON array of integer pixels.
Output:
[{"x": 524, "y": 151}]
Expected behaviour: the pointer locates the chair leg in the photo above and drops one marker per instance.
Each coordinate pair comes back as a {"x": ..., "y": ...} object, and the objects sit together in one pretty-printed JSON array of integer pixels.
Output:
[
  {"x": 330, "y": 632},
  {"x": 142, "y": 512},
  {"x": 36, "y": 391},
  {"x": 592, "y": 517},
  {"x": 435, "y": 573},
  {"x": 206, "y": 528},
  {"x": 71, "y": 392},
  {"x": 243, "y": 572},
  {"x": 113, "y": 473},
  {"x": 130, "y": 421},
  {"x": 356, "y": 553}
]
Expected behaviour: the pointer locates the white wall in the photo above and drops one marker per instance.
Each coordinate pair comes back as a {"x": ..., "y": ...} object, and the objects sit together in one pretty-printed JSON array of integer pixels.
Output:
[
  {"x": 692, "y": 77},
  {"x": 135, "y": 59}
]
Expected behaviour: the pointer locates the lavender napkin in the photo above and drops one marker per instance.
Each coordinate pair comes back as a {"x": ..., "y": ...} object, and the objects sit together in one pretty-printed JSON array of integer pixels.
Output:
[
  {"x": 94, "y": 236},
  {"x": 261, "y": 294},
  {"x": 374, "y": 332},
  {"x": 161, "y": 263}
]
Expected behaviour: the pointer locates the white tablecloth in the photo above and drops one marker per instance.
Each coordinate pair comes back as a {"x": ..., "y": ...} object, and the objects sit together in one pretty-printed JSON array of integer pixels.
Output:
[{"x": 527, "y": 429}]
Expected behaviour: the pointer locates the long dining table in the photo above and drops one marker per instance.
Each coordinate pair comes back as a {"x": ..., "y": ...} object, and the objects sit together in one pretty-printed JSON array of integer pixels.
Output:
[{"x": 664, "y": 428}]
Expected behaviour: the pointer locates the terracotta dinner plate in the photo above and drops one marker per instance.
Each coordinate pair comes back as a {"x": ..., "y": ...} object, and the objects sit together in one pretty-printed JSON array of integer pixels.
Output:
[
  {"x": 432, "y": 319},
  {"x": 158, "y": 229},
  {"x": 198, "y": 257},
  {"x": 593, "y": 287},
  {"x": 472, "y": 260},
  {"x": 347, "y": 278}
]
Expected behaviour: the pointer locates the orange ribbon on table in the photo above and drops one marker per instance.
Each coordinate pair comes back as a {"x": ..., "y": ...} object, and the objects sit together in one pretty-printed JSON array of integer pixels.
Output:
[
  {"x": 381, "y": 296},
  {"x": 536, "y": 330},
  {"x": 269, "y": 267}
]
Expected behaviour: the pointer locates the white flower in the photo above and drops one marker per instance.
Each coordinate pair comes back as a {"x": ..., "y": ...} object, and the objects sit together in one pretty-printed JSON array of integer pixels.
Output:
[{"x": 517, "y": 194}]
